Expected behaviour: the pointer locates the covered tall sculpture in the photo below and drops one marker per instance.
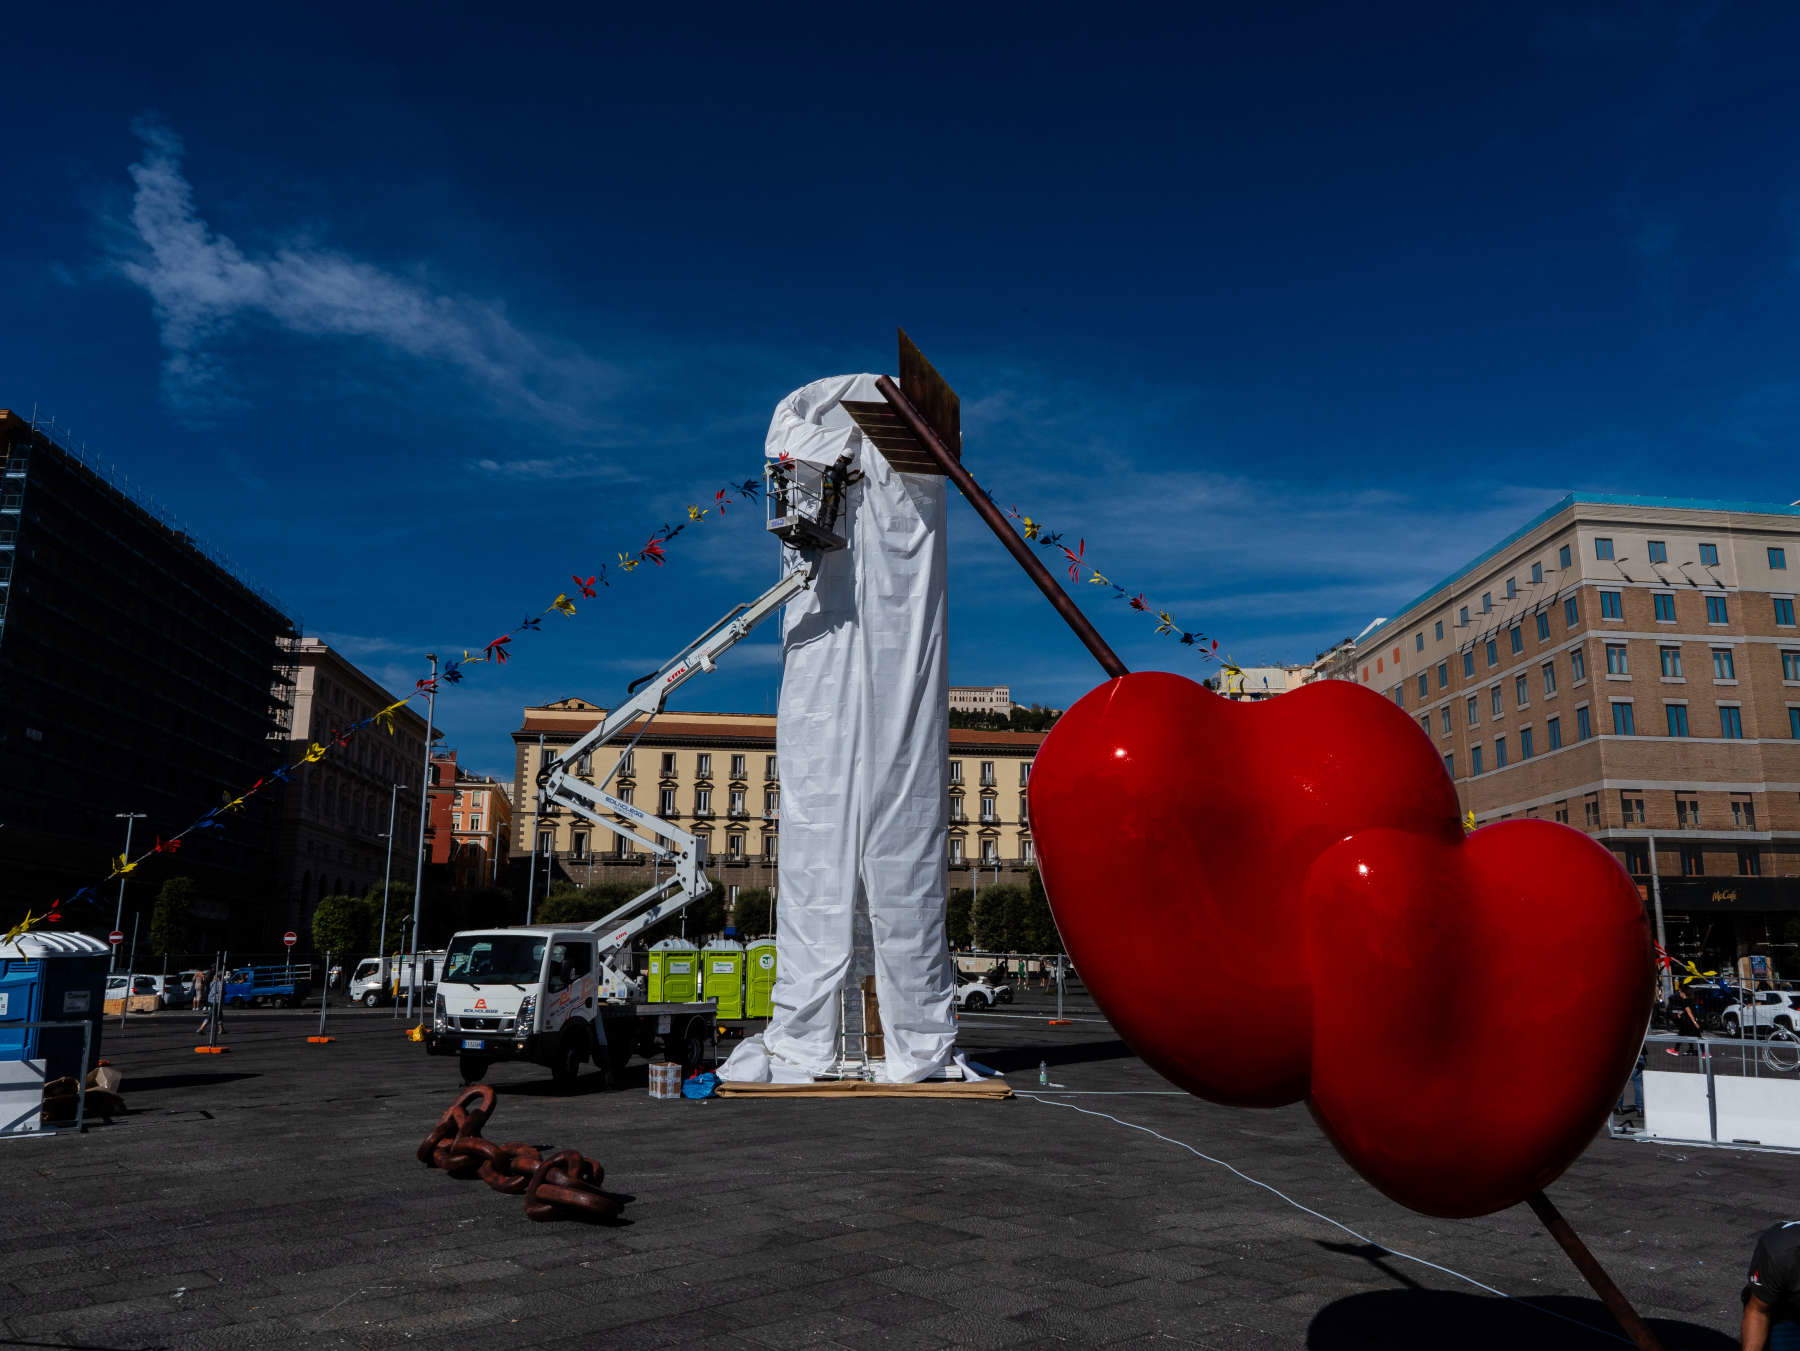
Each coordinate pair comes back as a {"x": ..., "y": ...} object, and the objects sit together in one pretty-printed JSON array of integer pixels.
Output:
[{"x": 862, "y": 735}]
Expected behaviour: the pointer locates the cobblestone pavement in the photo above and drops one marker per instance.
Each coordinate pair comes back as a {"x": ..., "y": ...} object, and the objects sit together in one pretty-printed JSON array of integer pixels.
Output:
[{"x": 269, "y": 1197}]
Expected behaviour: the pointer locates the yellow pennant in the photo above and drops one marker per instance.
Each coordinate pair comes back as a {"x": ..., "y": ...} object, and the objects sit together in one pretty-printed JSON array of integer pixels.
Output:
[
  {"x": 123, "y": 866},
  {"x": 1468, "y": 821},
  {"x": 20, "y": 929},
  {"x": 386, "y": 716},
  {"x": 696, "y": 513},
  {"x": 1031, "y": 527},
  {"x": 564, "y": 606},
  {"x": 314, "y": 753},
  {"x": 1099, "y": 579},
  {"x": 627, "y": 562}
]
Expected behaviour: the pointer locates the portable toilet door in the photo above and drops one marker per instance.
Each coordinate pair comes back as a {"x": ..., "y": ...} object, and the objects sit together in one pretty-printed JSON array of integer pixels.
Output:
[
  {"x": 722, "y": 975},
  {"x": 680, "y": 976},
  {"x": 52, "y": 978},
  {"x": 759, "y": 979}
]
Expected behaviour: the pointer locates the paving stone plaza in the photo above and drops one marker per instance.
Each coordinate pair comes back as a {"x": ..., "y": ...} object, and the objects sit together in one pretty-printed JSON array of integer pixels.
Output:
[{"x": 269, "y": 1197}]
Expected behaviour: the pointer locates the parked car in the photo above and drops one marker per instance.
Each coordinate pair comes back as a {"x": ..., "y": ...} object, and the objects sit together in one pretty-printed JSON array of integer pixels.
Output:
[
  {"x": 1758, "y": 1011},
  {"x": 982, "y": 992}
]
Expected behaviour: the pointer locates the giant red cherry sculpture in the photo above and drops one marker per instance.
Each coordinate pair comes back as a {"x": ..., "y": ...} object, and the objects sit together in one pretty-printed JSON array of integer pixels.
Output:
[{"x": 1276, "y": 902}]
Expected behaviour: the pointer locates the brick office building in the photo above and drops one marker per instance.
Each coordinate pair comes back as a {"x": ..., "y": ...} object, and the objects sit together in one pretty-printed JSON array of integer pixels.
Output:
[{"x": 1629, "y": 666}]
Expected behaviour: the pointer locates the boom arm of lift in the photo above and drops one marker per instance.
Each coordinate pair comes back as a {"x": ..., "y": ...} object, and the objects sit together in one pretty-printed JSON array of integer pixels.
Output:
[{"x": 687, "y": 882}]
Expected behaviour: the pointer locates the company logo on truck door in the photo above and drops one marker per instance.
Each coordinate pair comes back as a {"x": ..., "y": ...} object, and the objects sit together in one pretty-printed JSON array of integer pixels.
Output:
[{"x": 481, "y": 1004}]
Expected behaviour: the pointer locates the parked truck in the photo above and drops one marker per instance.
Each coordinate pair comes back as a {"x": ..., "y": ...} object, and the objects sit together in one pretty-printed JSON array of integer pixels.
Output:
[
  {"x": 385, "y": 980},
  {"x": 285, "y": 985}
]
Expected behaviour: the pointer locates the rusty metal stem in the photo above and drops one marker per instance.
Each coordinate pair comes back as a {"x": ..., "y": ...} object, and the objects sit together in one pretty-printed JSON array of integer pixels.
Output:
[
  {"x": 1595, "y": 1274},
  {"x": 985, "y": 508}
]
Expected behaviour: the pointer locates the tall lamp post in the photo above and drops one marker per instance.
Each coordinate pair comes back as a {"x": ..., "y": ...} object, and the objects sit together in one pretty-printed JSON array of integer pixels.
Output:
[
  {"x": 537, "y": 823},
  {"x": 412, "y": 983},
  {"x": 387, "y": 881},
  {"x": 129, "y": 818}
]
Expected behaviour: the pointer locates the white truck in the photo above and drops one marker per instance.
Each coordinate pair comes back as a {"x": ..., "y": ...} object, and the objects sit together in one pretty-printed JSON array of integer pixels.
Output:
[
  {"x": 560, "y": 995},
  {"x": 377, "y": 980}
]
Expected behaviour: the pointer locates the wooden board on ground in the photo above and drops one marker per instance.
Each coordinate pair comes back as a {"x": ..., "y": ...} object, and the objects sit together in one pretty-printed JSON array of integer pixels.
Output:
[{"x": 974, "y": 1089}]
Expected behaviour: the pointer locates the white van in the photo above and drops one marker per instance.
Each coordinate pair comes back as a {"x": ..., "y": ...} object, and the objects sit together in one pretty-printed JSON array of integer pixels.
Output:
[{"x": 376, "y": 979}]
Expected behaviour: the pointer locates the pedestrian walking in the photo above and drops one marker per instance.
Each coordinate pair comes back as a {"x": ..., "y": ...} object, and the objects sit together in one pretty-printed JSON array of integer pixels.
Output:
[
  {"x": 200, "y": 979},
  {"x": 1772, "y": 1293}
]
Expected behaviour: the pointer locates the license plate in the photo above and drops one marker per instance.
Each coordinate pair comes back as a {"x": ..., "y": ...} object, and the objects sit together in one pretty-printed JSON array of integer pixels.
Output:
[{"x": 474, "y": 1045}]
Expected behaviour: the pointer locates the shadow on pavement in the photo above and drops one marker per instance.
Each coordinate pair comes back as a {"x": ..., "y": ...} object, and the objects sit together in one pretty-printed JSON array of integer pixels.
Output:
[
  {"x": 154, "y": 1083},
  {"x": 1027, "y": 1057},
  {"x": 1401, "y": 1320}
]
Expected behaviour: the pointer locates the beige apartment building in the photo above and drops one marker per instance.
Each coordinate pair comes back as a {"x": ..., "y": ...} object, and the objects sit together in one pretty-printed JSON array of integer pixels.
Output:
[
  {"x": 718, "y": 775},
  {"x": 1249, "y": 684},
  {"x": 981, "y": 699},
  {"x": 1629, "y": 666}
]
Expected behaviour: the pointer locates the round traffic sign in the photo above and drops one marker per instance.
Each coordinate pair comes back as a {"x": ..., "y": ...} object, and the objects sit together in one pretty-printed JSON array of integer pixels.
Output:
[
  {"x": 115, "y": 938},
  {"x": 290, "y": 938}
]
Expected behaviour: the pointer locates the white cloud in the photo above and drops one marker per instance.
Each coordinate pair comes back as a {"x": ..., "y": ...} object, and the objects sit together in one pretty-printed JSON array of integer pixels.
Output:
[
  {"x": 203, "y": 285},
  {"x": 559, "y": 468}
]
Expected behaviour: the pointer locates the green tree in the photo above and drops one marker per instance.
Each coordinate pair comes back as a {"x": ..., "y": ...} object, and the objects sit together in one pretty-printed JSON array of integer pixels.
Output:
[
  {"x": 1037, "y": 930},
  {"x": 568, "y": 904},
  {"x": 400, "y": 899},
  {"x": 994, "y": 918},
  {"x": 342, "y": 924},
  {"x": 956, "y": 917},
  {"x": 171, "y": 918},
  {"x": 754, "y": 912}
]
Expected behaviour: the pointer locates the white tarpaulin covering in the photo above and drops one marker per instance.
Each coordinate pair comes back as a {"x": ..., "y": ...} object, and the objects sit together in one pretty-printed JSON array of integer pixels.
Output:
[{"x": 862, "y": 733}]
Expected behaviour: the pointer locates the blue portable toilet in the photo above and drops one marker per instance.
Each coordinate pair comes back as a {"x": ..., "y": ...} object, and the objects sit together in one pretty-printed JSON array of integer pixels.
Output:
[{"x": 52, "y": 978}]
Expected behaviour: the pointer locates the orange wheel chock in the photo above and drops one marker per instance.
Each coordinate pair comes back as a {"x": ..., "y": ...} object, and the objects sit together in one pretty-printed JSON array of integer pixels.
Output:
[
  {"x": 1059, "y": 1022},
  {"x": 211, "y": 1050},
  {"x": 321, "y": 1041}
]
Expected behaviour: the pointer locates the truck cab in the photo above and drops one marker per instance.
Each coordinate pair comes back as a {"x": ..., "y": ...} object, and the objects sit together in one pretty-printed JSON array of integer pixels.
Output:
[
  {"x": 539, "y": 993},
  {"x": 376, "y": 980}
]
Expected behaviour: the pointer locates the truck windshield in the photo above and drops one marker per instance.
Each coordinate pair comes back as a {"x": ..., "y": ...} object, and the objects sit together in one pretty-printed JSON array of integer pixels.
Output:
[{"x": 513, "y": 959}]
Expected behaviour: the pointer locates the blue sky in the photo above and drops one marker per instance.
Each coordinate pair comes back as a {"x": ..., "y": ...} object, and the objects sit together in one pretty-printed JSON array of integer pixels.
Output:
[{"x": 414, "y": 310}]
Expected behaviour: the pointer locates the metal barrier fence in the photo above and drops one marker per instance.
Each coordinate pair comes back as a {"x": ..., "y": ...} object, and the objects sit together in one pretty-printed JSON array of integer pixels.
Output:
[{"x": 1723, "y": 1091}]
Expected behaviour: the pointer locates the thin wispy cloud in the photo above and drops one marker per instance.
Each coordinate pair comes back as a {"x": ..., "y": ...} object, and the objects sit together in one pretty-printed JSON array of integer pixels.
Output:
[
  {"x": 557, "y": 468},
  {"x": 205, "y": 287}
]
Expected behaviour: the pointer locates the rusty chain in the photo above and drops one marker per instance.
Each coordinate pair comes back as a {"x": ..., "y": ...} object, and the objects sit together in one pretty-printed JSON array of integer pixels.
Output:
[{"x": 564, "y": 1185}]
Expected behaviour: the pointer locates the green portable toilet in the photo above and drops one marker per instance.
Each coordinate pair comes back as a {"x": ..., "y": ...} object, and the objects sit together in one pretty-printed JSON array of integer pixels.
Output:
[
  {"x": 759, "y": 979},
  {"x": 674, "y": 972},
  {"x": 722, "y": 975}
]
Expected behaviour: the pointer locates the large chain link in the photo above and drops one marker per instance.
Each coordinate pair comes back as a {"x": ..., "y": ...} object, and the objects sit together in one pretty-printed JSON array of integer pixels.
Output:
[{"x": 564, "y": 1185}]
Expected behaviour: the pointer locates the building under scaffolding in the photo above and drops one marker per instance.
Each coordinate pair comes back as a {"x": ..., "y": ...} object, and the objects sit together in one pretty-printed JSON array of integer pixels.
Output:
[{"x": 138, "y": 674}]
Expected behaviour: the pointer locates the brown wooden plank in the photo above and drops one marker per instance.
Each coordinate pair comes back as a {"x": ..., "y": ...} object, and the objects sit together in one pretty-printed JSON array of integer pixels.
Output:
[{"x": 931, "y": 395}]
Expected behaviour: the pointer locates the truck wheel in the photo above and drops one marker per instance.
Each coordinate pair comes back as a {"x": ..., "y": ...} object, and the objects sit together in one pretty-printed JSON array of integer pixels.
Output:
[
  {"x": 566, "y": 1068},
  {"x": 617, "y": 1056},
  {"x": 693, "y": 1046},
  {"x": 472, "y": 1067},
  {"x": 371, "y": 1000}
]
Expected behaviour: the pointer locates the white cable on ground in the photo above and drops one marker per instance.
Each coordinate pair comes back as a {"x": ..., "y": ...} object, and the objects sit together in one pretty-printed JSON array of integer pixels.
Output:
[{"x": 1339, "y": 1224}]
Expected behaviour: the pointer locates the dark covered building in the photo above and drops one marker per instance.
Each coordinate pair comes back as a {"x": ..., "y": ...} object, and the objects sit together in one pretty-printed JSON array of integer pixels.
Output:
[{"x": 137, "y": 675}]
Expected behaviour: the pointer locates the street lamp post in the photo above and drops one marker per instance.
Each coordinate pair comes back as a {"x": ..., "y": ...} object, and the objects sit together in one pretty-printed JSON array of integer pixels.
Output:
[
  {"x": 537, "y": 824},
  {"x": 129, "y": 818},
  {"x": 412, "y": 983},
  {"x": 387, "y": 883}
]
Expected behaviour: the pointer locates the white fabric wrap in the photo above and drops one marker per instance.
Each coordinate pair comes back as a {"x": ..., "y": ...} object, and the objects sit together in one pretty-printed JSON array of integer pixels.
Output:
[{"x": 863, "y": 736}]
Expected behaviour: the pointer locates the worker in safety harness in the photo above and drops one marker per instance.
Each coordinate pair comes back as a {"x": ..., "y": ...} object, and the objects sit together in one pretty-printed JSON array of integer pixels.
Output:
[{"x": 1772, "y": 1292}]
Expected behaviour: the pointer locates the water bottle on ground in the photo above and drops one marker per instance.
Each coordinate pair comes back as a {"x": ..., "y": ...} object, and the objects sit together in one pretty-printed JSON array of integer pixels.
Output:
[{"x": 1043, "y": 1073}]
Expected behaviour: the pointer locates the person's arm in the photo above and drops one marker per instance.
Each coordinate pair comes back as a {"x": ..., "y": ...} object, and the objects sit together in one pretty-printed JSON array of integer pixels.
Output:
[{"x": 1753, "y": 1331}]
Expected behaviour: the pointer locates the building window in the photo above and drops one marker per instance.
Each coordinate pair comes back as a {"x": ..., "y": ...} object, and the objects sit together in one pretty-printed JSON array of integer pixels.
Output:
[
  {"x": 1724, "y": 666},
  {"x": 1419, "y": 641},
  {"x": 1563, "y": 559},
  {"x": 665, "y": 803},
  {"x": 1543, "y": 626},
  {"x": 1450, "y": 765},
  {"x": 1549, "y": 673},
  {"x": 1794, "y": 722},
  {"x": 1024, "y": 810},
  {"x": 703, "y": 765},
  {"x": 1603, "y": 547},
  {"x": 771, "y": 767},
  {"x": 1473, "y": 710},
  {"x": 1716, "y": 610},
  {"x": 1499, "y": 752},
  {"x": 956, "y": 807},
  {"x": 1784, "y": 612},
  {"x": 1024, "y": 772},
  {"x": 1584, "y": 724},
  {"x": 1687, "y": 811},
  {"x": 1444, "y": 719},
  {"x": 668, "y": 764},
  {"x": 990, "y": 851},
  {"x": 703, "y": 802},
  {"x": 1424, "y": 684},
  {"x": 1468, "y": 663},
  {"x": 1527, "y": 746},
  {"x": 1731, "y": 722},
  {"x": 1663, "y": 602},
  {"x": 456, "y": 821},
  {"x": 1443, "y": 672},
  {"x": 739, "y": 767},
  {"x": 1743, "y": 814},
  {"x": 1487, "y": 601},
  {"x": 1678, "y": 719},
  {"x": 1494, "y": 705},
  {"x": 734, "y": 845},
  {"x": 1709, "y": 555},
  {"x": 1425, "y": 724},
  {"x": 1637, "y": 860},
  {"x": 1571, "y": 611},
  {"x": 624, "y": 795},
  {"x": 1439, "y": 630},
  {"x": 1521, "y": 690},
  {"x": 1693, "y": 861},
  {"x": 737, "y": 802},
  {"x": 1516, "y": 638},
  {"x": 1561, "y": 812},
  {"x": 1777, "y": 559},
  {"x": 1749, "y": 862},
  {"x": 1616, "y": 659},
  {"x": 584, "y": 766},
  {"x": 581, "y": 844},
  {"x": 546, "y": 842},
  {"x": 1659, "y": 551},
  {"x": 1632, "y": 809},
  {"x": 474, "y": 823},
  {"x": 1537, "y": 573},
  {"x": 1624, "y": 721},
  {"x": 625, "y": 768},
  {"x": 1612, "y": 605},
  {"x": 1475, "y": 760},
  {"x": 987, "y": 773},
  {"x": 1670, "y": 657},
  {"x": 1577, "y": 666},
  {"x": 988, "y": 814},
  {"x": 1590, "y": 810},
  {"x": 1462, "y": 615},
  {"x": 1493, "y": 652},
  {"x": 956, "y": 849},
  {"x": 1790, "y": 664},
  {"x": 1553, "y": 733},
  {"x": 771, "y": 845},
  {"x": 771, "y": 802}
]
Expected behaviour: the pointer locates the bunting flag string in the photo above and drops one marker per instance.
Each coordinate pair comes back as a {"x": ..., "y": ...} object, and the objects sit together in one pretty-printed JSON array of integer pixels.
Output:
[{"x": 654, "y": 550}]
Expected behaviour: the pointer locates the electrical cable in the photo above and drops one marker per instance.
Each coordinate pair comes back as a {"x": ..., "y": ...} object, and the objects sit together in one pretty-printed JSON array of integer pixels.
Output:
[{"x": 1318, "y": 1215}]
